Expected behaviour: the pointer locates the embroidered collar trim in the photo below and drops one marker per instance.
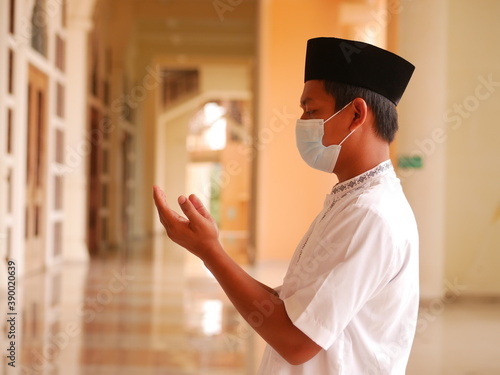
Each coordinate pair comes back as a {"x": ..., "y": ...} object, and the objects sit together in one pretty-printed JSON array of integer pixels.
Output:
[{"x": 355, "y": 182}]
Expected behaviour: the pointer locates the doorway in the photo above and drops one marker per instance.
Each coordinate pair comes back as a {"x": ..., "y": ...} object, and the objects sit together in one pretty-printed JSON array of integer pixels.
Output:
[
  {"x": 219, "y": 172},
  {"x": 36, "y": 170}
]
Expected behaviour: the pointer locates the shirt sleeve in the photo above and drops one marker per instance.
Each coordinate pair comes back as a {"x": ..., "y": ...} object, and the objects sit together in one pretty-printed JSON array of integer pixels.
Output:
[{"x": 346, "y": 263}]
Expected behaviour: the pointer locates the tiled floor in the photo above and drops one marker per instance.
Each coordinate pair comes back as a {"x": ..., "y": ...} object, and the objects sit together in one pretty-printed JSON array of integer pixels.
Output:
[{"x": 157, "y": 311}]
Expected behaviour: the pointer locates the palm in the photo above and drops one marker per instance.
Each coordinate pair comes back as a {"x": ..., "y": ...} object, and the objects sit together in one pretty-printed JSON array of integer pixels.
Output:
[{"x": 197, "y": 232}]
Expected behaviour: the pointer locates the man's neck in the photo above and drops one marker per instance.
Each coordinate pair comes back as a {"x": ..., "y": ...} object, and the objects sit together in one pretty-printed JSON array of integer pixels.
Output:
[{"x": 361, "y": 166}]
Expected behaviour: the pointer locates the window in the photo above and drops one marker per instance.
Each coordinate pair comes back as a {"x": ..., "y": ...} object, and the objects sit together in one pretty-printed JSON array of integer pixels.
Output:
[
  {"x": 106, "y": 92},
  {"x": 9, "y": 242},
  {"x": 58, "y": 193},
  {"x": 39, "y": 28},
  {"x": 10, "y": 83},
  {"x": 59, "y": 146},
  {"x": 109, "y": 60},
  {"x": 104, "y": 229},
  {"x": 40, "y": 140},
  {"x": 126, "y": 108},
  {"x": 94, "y": 68},
  {"x": 178, "y": 84},
  {"x": 60, "y": 100},
  {"x": 12, "y": 17},
  {"x": 64, "y": 13},
  {"x": 57, "y": 281},
  {"x": 38, "y": 213},
  {"x": 105, "y": 162},
  {"x": 104, "y": 195},
  {"x": 9, "y": 191},
  {"x": 60, "y": 53},
  {"x": 57, "y": 239},
  {"x": 9, "y": 131},
  {"x": 107, "y": 127},
  {"x": 108, "y": 71}
]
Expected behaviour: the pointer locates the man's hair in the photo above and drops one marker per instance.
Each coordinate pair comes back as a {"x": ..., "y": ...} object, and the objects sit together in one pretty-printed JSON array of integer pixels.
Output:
[{"x": 384, "y": 111}]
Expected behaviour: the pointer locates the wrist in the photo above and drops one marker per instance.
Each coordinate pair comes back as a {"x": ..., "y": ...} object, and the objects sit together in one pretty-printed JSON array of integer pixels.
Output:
[
  {"x": 217, "y": 259},
  {"x": 212, "y": 253}
]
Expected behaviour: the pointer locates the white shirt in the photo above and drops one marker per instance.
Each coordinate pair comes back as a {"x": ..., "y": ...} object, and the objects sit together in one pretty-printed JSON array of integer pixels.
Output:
[{"x": 352, "y": 284}]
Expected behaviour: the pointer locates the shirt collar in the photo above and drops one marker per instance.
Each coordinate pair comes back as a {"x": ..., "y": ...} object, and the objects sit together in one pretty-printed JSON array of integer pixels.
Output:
[{"x": 356, "y": 182}]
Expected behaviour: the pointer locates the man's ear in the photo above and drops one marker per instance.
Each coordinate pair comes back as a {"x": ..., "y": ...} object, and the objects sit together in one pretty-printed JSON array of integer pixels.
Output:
[{"x": 360, "y": 113}]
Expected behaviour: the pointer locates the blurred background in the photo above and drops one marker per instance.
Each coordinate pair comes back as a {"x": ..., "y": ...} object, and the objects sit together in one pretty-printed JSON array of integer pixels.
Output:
[{"x": 101, "y": 99}]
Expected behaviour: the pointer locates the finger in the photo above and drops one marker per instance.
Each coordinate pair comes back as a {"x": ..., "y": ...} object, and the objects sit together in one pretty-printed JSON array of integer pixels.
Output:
[
  {"x": 161, "y": 206},
  {"x": 187, "y": 207},
  {"x": 167, "y": 215},
  {"x": 160, "y": 199},
  {"x": 198, "y": 205}
]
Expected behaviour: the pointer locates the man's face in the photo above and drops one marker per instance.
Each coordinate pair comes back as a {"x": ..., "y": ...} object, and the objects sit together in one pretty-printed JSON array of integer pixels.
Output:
[{"x": 316, "y": 103}]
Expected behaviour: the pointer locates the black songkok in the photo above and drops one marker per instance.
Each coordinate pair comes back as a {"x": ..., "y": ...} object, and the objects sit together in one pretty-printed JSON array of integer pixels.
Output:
[{"x": 358, "y": 64}]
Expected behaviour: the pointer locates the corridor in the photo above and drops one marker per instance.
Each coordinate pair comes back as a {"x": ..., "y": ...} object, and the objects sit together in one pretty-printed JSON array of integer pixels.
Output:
[
  {"x": 156, "y": 310},
  {"x": 102, "y": 99}
]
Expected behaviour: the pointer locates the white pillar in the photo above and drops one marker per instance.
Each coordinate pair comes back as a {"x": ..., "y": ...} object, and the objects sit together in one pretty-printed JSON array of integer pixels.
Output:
[
  {"x": 423, "y": 41},
  {"x": 77, "y": 146}
]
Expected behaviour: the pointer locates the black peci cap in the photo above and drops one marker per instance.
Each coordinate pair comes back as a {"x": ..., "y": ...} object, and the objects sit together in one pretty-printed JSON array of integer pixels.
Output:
[{"x": 358, "y": 64}]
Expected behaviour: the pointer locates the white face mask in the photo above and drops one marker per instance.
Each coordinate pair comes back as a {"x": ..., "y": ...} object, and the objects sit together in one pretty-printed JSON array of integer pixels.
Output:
[{"x": 309, "y": 138}]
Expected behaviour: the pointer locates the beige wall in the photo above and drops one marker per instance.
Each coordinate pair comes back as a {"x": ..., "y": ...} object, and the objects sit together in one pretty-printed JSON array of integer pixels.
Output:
[
  {"x": 473, "y": 146},
  {"x": 289, "y": 192},
  {"x": 420, "y": 112},
  {"x": 448, "y": 116}
]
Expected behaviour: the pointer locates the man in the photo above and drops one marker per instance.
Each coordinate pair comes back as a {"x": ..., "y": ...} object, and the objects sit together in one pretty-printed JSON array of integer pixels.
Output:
[{"x": 348, "y": 303}]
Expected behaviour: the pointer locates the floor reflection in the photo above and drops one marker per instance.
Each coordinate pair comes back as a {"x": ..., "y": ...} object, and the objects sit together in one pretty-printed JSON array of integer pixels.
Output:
[
  {"x": 157, "y": 310},
  {"x": 151, "y": 311}
]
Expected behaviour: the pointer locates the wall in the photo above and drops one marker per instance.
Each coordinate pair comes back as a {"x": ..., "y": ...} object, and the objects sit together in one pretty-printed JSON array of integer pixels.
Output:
[
  {"x": 473, "y": 147},
  {"x": 289, "y": 192},
  {"x": 421, "y": 112},
  {"x": 58, "y": 245},
  {"x": 448, "y": 117}
]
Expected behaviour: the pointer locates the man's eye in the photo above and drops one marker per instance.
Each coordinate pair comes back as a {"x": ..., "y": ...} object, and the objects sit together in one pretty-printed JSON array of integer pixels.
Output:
[{"x": 310, "y": 113}]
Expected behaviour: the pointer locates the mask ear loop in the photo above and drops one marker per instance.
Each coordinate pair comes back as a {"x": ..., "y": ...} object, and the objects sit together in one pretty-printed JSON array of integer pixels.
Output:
[
  {"x": 347, "y": 136},
  {"x": 336, "y": 113}
]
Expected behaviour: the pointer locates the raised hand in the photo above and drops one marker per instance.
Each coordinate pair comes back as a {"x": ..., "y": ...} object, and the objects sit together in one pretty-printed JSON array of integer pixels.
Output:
[{"x": 197, "y": 232}]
